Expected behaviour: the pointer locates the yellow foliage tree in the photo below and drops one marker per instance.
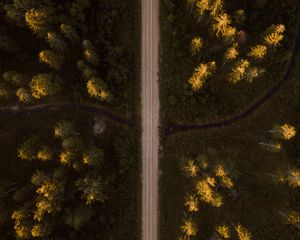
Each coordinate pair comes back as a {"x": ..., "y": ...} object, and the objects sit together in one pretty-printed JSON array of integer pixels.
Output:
[
  {"x": 223, "y": 231},
  {"x": 201, "y": 73},
  {"x": 40, "y": 230},
  {"x": 56, "y": 42},
  {"x": 221, "y": 23},
  {"x": 239, "y": 71},
  {"x": 258, "y": 52},
  {"x": 206, "y": 192},
  {"x": 36, "y": 19},
  {"x": 45, "y": 154},
  {"x": 24, "y": 95},
  {"x": 293, "y": 178},
  {"x": 196, "y": 45},
  {"x": 44, "y": 84},
  {"x": 192, "y": 203},
  {"x": 216, "y": 7},
  {"x": 253, "y": 73},
  {"x": 97, "y": 89},
  {"x": 243, "y": 233},
  {"x": 190, "y": 168},
  {"x": 3, "y": 90},
  {"x": 65, "y": 157},
  {"x": 52, "y": 59},
  {"x": 189, "y": 228},
  {"x": 202, "y": 6},
  {"x": 285, "y": 131},
  {"x": 229, "y": 34},
  {"x": 231, "y": 53},
  {"x": 22, "y": 224},
  {"x": 274, "y": 35},
  {"x": 294, "y": 219}
]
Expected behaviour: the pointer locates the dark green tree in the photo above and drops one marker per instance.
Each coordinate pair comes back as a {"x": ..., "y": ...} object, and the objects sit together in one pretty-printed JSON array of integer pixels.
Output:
[{"x": 92, "y": 188}]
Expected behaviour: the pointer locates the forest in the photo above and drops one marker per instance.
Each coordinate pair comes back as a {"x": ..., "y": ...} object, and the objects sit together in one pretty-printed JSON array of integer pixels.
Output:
[
  {"x": 69, "y": 167},
  {"x": 229, "y": 90}
]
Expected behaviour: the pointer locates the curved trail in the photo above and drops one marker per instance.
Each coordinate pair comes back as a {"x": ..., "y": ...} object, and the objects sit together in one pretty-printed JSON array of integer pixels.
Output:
[
  {"x": 174, "y": 128},
  {"x": 150, "y": 118},
  {"x": 19, "y": 110}
]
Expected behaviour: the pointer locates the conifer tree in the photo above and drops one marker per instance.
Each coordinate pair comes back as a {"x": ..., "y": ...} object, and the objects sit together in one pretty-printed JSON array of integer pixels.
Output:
[
  {"x": 221, "y": 23},
  {"x": 50, "y": 189},
  {"x": 258, "y": 52},
  {"x": 51, "y": 58},
  {"x": 22, "y": 223},
  {"x": 4, "y": 91},
  {"x": 239, "y": 71},
  {"x": 243, "y": 233},
  {"x": 190, "y": 168},
  {"x": 294, "y": 219},
  {"x": 192, "y": 203},
  {"x": 253, "y": 73},
  {"x": 41, "y": 229},
  {"x": 231, "y": 53},
  {"x": 66, "y": 157},
  {"x": 284, "y": 131},
  {"x": 92, "y": 189},
  {"x": 189, "y": 228},
  {"x": 24, "y": 95},
  {"x": 93, "y": 157},
  {"x": 44, "y": 84},
  {"x": 70, "y": 33},
  {"x": 216, "y": 7},
  {"x": 88, "y": 72},
  {"x": 28, "y": 149},
  {"x": 76, "y": 218},
  {"x": 15, "y": 78},
  {"x": 56, "y": 42},
  {"x": 274, "y": 35},
  {"x": 223, "y": 231},
  {"x": 64, "y": 129},
  {"x": 202, "y": 6},
  {"x": 293, "y": 178},
  {"x": 201, "y": 73},
  {"x": 196, "y": 45},
  {"x": 89, "y": 52},
  {"x": 97, "y": 89},
  {"x": 45, "y": 154},
  {"x": 36, "y": 19},
  {"x": 229, "y": 34}
]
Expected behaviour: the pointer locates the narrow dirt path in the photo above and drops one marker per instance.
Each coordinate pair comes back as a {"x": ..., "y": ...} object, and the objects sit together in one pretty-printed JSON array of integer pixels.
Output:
[
  {"x": 150, "y": 118},
  {"x": 18, "y": 110}
]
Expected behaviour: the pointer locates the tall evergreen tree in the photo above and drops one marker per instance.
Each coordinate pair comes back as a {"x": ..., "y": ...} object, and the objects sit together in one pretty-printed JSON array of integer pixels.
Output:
[
  {"x": 44, "y": 84},
  {"x": 51, "y": 58}
]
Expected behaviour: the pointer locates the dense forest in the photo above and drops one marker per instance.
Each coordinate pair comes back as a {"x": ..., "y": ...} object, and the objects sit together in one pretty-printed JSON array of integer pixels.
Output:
[
  {"x": 68, "y": 173},
  {"x": 68, "y": 51},
  {"x": 241, "y": 180}
]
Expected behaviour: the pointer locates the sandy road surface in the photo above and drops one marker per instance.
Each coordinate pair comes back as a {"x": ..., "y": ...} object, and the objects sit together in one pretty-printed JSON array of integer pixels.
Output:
[{"x": 150, "y": 118}]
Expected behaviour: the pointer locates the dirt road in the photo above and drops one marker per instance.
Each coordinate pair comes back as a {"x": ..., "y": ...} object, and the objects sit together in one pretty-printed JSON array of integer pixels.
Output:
[{"x": 150, "y": 118}]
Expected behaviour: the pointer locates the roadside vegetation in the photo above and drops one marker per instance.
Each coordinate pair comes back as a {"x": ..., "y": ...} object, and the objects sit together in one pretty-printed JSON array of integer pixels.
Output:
[
  {"x": 69, "y": 173},
  {"x": 244, "y": 175},
  {"x": 238, "y": 182},
  {"x": 218, "y": 56},
  {"x": 73, "y": 178}
]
